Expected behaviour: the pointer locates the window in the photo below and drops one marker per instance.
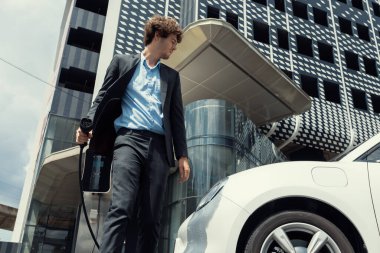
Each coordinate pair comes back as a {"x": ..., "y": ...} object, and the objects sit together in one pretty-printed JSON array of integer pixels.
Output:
[
  {"x": 77, "y": 79},
  {"x": 212, "y": 12},
  {"x": 358, "y": 98},
  {"x": 352, "y": 60},
  {"x": 304, "y": 45},
  {"x": 310, "y": 85},
  {"x": 233, "y": 19},
  {"x": 279, "y": 5},
  {"x": 263, "y": 2},
  {"x": 85, "y": 39},
  {"x": 320, "y": 17},
  {"x": 283, "y": 38},
  {"x": 332, "y": 93},
  {"x": 370, "y": 66},
  {"x": 363, "y": 32},
  {"x": 326, "y": 52},
  {"x": 375, "y": 103},
  {"x": 376, "y": 9},
  {"x": 99, "y": 7},
  {"x": 345, "y": 25},
  {"x": 288, "y": 73},
  {"x": 300, "y": 10},
  {"x": 261, "y": 32},
  {"x": 357, "y": 4}
]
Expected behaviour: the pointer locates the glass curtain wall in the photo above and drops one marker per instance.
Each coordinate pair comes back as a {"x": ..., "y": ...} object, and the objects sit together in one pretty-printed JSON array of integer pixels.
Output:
[
  {"x": 42, "y": 220},
  {"x": 50, "y": 229},
  {"x": 60, "y": 135},
  {"x": 221, "y": 141}
]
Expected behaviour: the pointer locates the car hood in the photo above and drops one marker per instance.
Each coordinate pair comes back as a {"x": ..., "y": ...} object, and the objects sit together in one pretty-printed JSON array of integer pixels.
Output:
[{"x": 324, "y": 181}]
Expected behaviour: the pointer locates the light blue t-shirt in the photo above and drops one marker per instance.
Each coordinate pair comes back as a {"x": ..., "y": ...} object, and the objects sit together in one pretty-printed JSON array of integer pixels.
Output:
[{"x": 141, "y": 103}]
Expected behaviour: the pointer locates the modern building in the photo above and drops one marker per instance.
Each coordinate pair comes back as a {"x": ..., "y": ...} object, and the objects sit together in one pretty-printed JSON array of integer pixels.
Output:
[
  {"x": 74, "y": 75},
  {"x": 241, "y": 77}
]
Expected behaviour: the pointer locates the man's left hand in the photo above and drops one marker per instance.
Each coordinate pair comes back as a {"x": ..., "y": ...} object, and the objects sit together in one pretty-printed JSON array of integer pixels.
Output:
[{"x": 184, "y": 169}]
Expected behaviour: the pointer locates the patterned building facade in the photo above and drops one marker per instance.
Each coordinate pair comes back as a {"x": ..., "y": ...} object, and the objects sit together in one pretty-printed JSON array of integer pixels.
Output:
[{"x": 328, "y": 47}]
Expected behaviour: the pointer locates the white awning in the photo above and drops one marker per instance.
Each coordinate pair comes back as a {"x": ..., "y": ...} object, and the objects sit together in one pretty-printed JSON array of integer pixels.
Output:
[
  {"x": 216, "y": 62},
  {"x": 57, "y": 183}
]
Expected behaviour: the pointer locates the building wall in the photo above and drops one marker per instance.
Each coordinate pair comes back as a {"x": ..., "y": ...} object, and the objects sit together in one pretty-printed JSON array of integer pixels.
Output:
[{"x": 329, "y": 126}]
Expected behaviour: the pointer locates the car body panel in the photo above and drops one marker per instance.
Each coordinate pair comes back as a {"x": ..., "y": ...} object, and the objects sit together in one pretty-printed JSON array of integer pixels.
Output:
[
  {"x": 351, "y": 186},
  {"x": 298, "y": 182},
  {"x": 374, "y": 175},
  {"x": 208, "y": 230}
]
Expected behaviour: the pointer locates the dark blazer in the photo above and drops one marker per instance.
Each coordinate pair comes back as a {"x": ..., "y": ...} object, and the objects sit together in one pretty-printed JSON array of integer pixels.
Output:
[{"x": 107, "y": 107}]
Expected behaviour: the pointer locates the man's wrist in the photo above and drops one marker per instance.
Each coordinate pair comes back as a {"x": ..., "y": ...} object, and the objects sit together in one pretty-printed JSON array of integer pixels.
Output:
[{"x": 184, "y": 157}]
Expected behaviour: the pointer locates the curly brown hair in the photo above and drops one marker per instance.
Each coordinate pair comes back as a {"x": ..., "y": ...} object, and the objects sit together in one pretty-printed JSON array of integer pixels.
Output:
[{"x": 164, "y": 26}]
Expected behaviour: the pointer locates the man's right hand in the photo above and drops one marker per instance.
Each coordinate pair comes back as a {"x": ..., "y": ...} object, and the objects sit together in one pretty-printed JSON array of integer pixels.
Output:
[{"x": 81, "y": 137}]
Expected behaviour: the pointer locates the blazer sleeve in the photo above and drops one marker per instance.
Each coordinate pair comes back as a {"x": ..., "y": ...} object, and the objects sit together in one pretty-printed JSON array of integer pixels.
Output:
[
  {"x": 178, "y": 121},
  {"x": 112, "y": 74}
]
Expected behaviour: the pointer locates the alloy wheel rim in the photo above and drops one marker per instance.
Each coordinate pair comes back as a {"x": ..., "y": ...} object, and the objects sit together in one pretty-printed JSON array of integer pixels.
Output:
[{"x": 299, "y": 237}]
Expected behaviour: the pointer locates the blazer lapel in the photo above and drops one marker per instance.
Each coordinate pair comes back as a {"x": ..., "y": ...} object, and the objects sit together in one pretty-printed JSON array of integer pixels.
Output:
[
  {"x": 131, "y": 63},
  {"x": 164, "y": 84},
  {"x": 128, "y": 71},
  {"x": 134, "y": 60}
]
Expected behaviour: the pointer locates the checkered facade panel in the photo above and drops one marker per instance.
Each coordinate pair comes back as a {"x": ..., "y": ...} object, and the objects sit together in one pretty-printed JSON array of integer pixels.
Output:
[{"x": 330, "y": 50}]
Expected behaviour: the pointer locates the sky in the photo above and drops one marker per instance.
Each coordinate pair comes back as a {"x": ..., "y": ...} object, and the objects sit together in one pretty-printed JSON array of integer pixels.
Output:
[{"x": 29, "y": 37}]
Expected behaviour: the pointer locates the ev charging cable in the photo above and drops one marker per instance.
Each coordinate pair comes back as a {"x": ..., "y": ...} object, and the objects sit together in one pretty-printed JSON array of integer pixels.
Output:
[{"x": 85, "y": 126}]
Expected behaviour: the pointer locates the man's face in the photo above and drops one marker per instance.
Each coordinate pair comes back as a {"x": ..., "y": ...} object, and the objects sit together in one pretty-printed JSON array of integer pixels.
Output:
[{"x": 167, "y": 45}]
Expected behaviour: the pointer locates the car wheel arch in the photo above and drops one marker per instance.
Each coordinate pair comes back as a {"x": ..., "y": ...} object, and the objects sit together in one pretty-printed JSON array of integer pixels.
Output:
[{"x": 301, "y": 204}]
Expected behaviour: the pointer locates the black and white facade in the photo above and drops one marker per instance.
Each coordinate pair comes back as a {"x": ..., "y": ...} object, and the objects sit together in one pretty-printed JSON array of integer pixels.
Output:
[{"x": 328, "y": 47}]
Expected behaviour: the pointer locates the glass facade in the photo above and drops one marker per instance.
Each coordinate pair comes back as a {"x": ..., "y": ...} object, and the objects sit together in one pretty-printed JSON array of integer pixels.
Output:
[
  {"x": 60, "y": 135},
  {"x": 50, "y": 228},
  {"x": 221, "y": 141}
]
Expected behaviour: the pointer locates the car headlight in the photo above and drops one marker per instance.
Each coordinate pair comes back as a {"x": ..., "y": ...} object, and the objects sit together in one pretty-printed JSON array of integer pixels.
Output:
[{"x": 212, "y": 193}]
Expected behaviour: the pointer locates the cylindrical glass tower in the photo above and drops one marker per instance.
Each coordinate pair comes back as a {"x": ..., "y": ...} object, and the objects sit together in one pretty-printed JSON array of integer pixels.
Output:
[{"x": 221, "y": 141}]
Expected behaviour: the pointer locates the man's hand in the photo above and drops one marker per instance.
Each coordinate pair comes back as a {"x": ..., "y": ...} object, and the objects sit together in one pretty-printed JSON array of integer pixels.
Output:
[
  {"x": 82, "y": 137},
  {"x": 184, "y": 169}
]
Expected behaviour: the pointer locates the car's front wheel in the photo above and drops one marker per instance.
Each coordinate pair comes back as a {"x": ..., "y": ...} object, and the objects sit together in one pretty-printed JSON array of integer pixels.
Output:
[{"x": 297, "y": 232}]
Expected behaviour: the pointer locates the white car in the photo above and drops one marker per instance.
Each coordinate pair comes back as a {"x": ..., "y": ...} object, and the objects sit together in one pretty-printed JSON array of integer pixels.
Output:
[{"x": 293, "y": 207}]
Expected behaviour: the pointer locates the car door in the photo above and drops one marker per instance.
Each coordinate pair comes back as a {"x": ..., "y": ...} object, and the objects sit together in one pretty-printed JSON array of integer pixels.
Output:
[{"x": 373, "y": 163}]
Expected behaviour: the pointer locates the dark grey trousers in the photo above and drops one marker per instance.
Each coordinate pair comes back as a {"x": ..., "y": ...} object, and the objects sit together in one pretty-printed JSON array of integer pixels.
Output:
[{"x": 140, "y": 171}]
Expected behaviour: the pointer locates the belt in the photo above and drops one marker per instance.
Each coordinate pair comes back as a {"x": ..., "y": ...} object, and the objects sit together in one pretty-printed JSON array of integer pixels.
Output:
[{"x": 147, "y": 133}]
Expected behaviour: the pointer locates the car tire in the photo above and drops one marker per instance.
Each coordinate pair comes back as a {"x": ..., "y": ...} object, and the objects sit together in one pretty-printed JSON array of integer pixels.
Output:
[{"x": 300, "y": 229}]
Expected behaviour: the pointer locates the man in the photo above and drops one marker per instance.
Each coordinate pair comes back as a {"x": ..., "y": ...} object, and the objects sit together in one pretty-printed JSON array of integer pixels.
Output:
[{"x": 139, "y": 108}]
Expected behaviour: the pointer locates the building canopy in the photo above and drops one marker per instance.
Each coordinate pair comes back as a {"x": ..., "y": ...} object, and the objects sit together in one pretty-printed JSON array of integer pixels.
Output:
[
  {"x": 216, "y": 62},
  {"x": 7, "y": 217}
]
